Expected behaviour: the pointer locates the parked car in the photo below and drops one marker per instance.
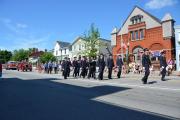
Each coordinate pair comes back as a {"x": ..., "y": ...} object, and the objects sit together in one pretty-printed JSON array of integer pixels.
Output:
[
  {"x": 24, "y": 66},
  {"x": 11, "y": 65}
]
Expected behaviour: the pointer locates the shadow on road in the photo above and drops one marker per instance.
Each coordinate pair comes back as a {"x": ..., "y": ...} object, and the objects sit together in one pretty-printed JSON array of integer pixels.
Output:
[{"x": 42, "y": 99}]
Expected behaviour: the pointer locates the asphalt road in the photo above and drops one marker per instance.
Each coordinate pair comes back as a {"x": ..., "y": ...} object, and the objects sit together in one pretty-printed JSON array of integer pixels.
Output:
[{"x": 34, "y": 96}]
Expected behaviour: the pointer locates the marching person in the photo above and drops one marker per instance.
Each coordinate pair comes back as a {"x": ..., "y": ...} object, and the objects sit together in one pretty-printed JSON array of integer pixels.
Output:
[
  {"x": 92, "y": 68},
  {"x": 50, "y": 65},
  {"x": 75, "y": 66},
  {"x": 119, "y": 64},
  {"x": 83, "y": 67},
  {"x": 163, "y": 64},
  {"x": 146, "y": 63},
  {"x": 69, "y": 69},
  {"x": 65, "y": 67},
  {"x": 110, "y": 65},
  {"x": 101, "y": 64},
  {"x": 55, "y": 66},
  {"x": 79, "y": 66}
]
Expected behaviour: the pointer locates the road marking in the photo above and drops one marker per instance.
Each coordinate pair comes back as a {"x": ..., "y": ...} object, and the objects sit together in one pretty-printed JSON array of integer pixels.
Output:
[{"x": 130, "y": 85}]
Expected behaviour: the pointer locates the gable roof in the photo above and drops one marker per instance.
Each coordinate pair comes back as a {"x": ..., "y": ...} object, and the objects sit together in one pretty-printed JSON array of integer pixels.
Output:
[
  {"x": 63, "y": 44},
  {"x": 153, "y": 17},
  {"x": 77, "y": 40}
]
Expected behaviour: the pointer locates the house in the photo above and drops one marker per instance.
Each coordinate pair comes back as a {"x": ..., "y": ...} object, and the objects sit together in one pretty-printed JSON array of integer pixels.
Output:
[
  {"x": 62, "y": 50},
  {"x": 143, "y": 30},
  {"x": 79, "y": 47},
  {"x": 34, "y": 56},
  {"x": 177, "y": 39}
]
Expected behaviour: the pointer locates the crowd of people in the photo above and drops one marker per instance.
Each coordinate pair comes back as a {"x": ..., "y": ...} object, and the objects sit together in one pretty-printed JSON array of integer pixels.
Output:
[{"x": 90, "y": 66}]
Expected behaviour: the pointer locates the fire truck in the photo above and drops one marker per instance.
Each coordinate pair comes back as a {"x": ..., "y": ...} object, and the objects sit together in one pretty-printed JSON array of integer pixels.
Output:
[{"x": 24, "y": 66}]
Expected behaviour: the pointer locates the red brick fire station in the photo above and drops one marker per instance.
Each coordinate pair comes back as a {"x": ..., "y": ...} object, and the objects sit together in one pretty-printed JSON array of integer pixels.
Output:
[{"x": 143, "y": 30}]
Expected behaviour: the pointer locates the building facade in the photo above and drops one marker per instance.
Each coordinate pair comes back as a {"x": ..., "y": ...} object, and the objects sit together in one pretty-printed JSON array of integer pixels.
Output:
[
  {"x": 62, "y": 50},
  {"x": 177, "y": 39},
  {"x": 79, "y": 47},
  {"x": 143, "y": 30}
]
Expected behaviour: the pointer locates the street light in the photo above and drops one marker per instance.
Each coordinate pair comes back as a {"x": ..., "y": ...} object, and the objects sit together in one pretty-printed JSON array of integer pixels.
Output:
[{"x": 127, "y": 57}]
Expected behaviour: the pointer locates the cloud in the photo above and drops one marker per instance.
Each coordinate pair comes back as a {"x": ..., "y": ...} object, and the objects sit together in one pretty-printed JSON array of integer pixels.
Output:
[
  {"x": 158, "y": 4},
  {"x": 31, "y": 42},
  {"x": 21, "y": 26},
  {"x": 14, "y": 27}
]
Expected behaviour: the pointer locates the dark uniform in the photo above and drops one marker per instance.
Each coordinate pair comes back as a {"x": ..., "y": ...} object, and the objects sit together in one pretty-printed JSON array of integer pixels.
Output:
[
  {"x": 92, "y": 68},
  {"x": 101, "y": 65},
  {"x": 119, "y": 64},
  {"x": 84, "y": 68},
  {"x": 163, "y": 65},
  {"x": 110, "y": 65},
  {"x": 146, "y": 63},
  {"x": 66, "y": 68},
  {"x": 75, "y": 65}
]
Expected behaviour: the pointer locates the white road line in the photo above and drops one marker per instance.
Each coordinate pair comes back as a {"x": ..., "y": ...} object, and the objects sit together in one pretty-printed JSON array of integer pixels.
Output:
[{"x": 131, "y": 85}]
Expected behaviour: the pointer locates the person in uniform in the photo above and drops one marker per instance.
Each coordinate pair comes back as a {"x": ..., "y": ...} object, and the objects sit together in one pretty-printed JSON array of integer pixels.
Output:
[
  {"x": 119, "y": 64},
  {"x": 163, "y": 64},
  {"x": 146, "y": 63},
  {"x": 75, "y": 66},
  {"x": 110, "y": 65},
  {"x": 66, "y": 68},
  {"x": 101, "y": 65},
  {"x": 83, "y": 67},
  {"x": 69, "y": 68},
  {"x": 92, "y": 67}
]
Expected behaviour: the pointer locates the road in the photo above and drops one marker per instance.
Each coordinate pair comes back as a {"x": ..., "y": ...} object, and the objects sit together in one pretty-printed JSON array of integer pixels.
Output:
[{"x": 35, "y": 96}]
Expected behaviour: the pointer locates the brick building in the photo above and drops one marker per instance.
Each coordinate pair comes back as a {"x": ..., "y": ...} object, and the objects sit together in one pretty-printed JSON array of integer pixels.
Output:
[{"x": 143, "y": 30}]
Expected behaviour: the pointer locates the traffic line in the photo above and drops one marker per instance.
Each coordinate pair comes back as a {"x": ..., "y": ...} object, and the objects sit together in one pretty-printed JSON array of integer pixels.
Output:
[{"x": 131, "y": 85}]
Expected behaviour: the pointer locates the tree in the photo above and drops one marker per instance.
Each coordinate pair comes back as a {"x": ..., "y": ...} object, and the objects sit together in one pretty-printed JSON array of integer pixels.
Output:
[
  {"x": 92, "y": 42},
  {"x": 21, "y": 54},
  {"x": 5, "y": 56},
  {"x": 46, "y": 57}
]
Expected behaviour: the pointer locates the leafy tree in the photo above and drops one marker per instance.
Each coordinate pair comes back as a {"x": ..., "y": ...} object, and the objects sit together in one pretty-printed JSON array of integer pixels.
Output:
[
  {"x": 92, "y": 42},
  {"x": 46, "y": 57},
  {"x": 21, "y": 54},
  {"x": 5, "y": 56}
]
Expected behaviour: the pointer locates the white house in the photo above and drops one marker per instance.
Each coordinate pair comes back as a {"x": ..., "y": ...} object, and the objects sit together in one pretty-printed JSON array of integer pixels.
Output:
[
  {"x": 79, "y": 46},
  {"x": 62, "y": 50}
]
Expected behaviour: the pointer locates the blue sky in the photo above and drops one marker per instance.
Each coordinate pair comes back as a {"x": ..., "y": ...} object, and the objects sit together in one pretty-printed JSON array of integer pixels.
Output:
[{"x": 40, "y": 23}]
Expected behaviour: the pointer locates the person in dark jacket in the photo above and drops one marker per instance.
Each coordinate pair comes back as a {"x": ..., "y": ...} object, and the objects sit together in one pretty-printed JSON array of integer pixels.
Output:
[
  {"x": 66, "y": 67},
  {"x": 75, "y": 66},
  {"x": 110, "y": 65},
  {"x": 146, "y": 63},
  {"x": 163, "y": 64},
  {"x": 119, "y": 64},
  {"x": 92, "y": 67},
  {"x": 101, "y": 65},
  {"x": 83, "y": 67},
  {"x": 69, "y": 70}
]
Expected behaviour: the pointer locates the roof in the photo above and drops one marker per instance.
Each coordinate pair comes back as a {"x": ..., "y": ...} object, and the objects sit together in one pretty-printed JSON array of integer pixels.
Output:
[
  {"x": 102, "y": 39},
  {"x": 63, "y": 44},
  {"x": 77, "y": 40},
  {"x": 36, "y": 54},
  {"x": 155, "y": 18}
]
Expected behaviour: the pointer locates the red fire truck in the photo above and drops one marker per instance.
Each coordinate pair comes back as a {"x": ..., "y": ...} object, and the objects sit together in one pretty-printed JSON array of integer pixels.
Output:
[{"x": 24, "y": 66}]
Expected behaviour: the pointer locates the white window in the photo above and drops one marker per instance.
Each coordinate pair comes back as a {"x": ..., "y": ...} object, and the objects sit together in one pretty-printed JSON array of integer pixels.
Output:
[
  {"x": 141, "y": 34},
  {"x": 137, "y": 36}
]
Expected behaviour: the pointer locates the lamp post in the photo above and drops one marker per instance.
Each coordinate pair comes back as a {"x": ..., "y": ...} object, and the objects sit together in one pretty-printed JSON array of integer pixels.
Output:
[{"x": 127, "y": 57}]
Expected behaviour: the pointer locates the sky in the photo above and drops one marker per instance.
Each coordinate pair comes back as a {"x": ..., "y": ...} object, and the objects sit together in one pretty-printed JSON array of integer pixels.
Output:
[{"x": 40, "y": 23}]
